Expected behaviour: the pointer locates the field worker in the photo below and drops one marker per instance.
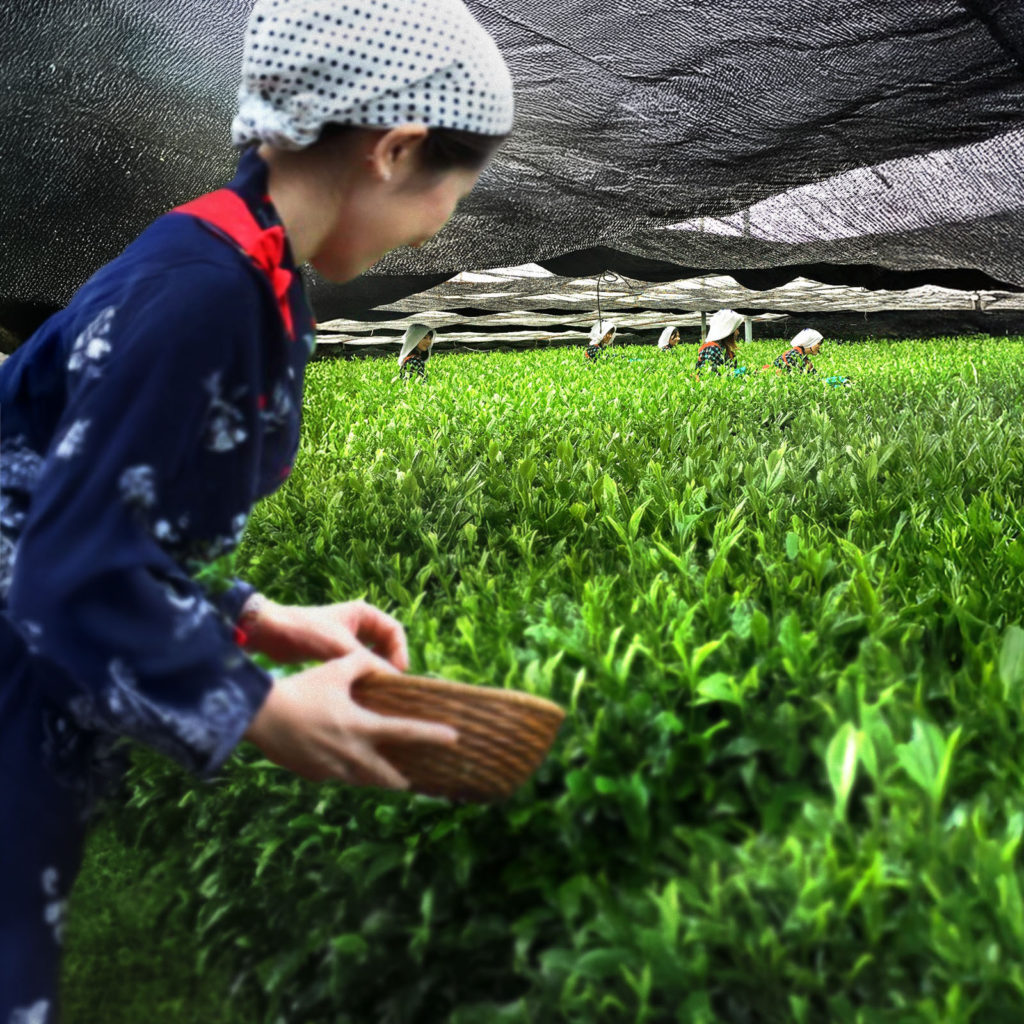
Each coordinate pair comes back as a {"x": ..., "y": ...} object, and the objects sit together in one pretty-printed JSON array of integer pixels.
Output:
[
  {"x": 669, "y": 338},
  {"x": 719, "y": 347},
  {"x": 602, "y": 334},
  {"x": 796, "y": 356},
  {"x": 416, "y": 346},
  {"x": 141, "y": 423}
]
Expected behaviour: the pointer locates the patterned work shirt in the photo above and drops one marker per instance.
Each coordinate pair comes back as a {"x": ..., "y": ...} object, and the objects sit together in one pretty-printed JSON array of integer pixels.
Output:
[
  {"x": 795, "y": 359},
  {"x": 139, "y": 425},
  {"x": 711, "y": 356},
  {"x": 415, "y": 365}
]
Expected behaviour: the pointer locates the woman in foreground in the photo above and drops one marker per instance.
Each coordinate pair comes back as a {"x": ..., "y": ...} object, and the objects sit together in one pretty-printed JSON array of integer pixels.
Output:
[{"x": 141, "y": 423}]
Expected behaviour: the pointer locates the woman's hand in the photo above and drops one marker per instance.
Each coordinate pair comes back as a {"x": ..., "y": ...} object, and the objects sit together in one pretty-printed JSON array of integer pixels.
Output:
[
  {"x": 310, "y": 725},
  {"x": 288, "y": 633}
]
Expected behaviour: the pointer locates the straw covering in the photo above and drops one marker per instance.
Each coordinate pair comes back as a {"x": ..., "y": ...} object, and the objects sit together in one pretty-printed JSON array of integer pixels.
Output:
[{"x": 814, "y": 138}]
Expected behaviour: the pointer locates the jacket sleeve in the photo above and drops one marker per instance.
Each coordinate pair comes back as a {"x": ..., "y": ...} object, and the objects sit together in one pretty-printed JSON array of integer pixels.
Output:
[
  {"x": 153, "y": 466},
  {"x": 229, "y": 603}
]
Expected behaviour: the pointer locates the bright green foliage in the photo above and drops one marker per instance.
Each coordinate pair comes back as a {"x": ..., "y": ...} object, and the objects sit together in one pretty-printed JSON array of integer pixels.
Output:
[{"x": 785, "y": 621}]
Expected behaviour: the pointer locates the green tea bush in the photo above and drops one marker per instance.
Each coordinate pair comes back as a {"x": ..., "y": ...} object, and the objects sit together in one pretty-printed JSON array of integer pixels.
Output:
[{"x": 784, "y": 621}]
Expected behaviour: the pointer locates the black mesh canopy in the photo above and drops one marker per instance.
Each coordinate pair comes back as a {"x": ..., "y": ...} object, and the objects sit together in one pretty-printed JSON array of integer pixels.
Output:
[{"x": 867, "y": 142}]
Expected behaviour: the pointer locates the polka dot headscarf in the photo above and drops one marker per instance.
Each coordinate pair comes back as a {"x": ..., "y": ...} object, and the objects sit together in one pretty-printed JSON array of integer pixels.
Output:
[{"x": 373, "y": 63}]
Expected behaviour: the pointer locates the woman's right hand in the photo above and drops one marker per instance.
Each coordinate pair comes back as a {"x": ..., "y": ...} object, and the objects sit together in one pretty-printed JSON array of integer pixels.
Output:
[{"x": 310, "y": 724}]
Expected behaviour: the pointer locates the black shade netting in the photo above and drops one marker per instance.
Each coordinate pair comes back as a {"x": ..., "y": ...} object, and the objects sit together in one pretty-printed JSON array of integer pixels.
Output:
[{"x": 857, "y": 140}]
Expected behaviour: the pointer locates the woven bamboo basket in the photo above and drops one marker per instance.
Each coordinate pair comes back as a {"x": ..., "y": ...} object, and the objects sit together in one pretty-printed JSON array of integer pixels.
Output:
[{"x": 503, "y": 734}]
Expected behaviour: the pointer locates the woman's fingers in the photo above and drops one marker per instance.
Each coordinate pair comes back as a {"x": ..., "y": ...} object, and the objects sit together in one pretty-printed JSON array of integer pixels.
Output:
[
  {"x": 377, "y": 727},
  {"x": 371, "y": 769},
  {"x": 296, "y": 633},
  {"x": 391, "y": 728},
  {"x": 311, "y": 724},
  {"x": 369, "y": 729},
  {"x": 381, "y": 631},
  {"x": 343, "y": 641}
]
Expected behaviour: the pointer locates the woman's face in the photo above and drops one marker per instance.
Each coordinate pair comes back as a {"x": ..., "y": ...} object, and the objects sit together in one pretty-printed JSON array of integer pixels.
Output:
[
  {"x": 815, "y": 348},
  {"x": 607, "y": 339},
  {"x": 422, "y": 210},
  {"x": 673, "y": 339},
  {"x": 389, "y": 201},
  {"x": 407, "y": 217},
  {"x": 425, "y": 342}
]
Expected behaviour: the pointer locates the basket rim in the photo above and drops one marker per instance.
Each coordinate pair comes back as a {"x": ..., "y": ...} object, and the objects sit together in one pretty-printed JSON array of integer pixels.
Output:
[{"x": 478, "y": 693}]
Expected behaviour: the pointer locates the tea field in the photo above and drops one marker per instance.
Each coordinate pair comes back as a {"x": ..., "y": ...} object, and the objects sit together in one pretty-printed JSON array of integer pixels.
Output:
[{"x": 785, "y": 621}]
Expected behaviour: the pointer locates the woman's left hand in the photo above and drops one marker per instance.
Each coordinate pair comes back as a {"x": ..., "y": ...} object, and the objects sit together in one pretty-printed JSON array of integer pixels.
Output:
[{"x": 290, "y": 633}]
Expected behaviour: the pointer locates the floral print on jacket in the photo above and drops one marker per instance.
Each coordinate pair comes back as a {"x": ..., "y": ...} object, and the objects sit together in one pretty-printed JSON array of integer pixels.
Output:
[
  {"x": 139, "y": 425},
  {"x": 137, "y": 428}
]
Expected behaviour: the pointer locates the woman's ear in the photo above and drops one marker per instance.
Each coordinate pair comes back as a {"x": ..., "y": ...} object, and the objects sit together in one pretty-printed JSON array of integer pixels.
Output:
[{"x": 395, "y": 153}]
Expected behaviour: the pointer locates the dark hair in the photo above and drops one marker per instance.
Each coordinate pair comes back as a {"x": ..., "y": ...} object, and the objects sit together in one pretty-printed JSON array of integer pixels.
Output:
[
  {"x": 444, "y": 149},
  {"x": 448, "y": 149}
]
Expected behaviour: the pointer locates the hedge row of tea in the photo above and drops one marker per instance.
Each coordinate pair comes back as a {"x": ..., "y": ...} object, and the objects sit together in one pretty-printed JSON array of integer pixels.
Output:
[{"x": 783, "y": 618}]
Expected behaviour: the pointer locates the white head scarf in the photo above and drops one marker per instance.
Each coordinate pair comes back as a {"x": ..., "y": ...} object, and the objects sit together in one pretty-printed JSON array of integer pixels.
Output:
[
  {"x": 722, "y": 324},
  {"x": 666, "y": 336},
  {"x": 600, "y": 329},
  {"x": 806, "y": 339},
  {"x": 413, "y": 336},
  {"x": 374, "y": 63}
]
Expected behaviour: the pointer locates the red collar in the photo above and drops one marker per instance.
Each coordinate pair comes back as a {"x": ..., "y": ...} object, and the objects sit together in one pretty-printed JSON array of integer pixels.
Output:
[{"x": 227, "y": 213}]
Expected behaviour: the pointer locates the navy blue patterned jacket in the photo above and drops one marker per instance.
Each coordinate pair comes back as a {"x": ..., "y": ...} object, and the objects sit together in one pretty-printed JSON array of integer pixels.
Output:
[{"x": 137, "y": 428}]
